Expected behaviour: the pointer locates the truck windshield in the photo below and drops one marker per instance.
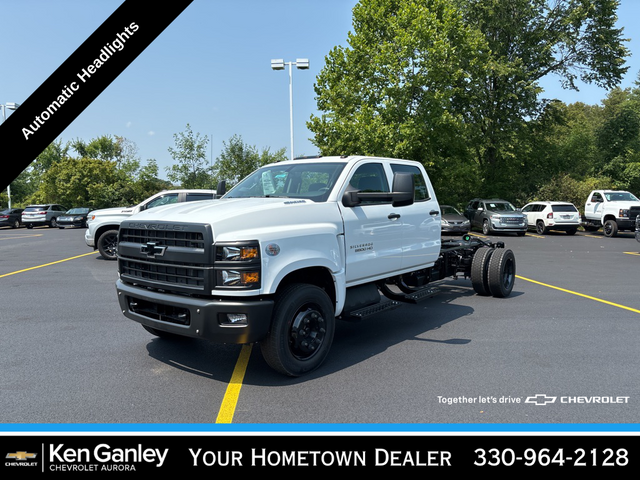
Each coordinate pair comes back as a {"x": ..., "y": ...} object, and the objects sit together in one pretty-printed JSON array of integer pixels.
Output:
[
  {"x": 620, "y": 197},
  {"x": 312, "y": 181}
]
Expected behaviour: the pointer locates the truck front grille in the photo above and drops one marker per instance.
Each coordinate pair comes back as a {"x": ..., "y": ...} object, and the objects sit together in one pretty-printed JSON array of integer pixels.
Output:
[{"x": 173, "y": 257}]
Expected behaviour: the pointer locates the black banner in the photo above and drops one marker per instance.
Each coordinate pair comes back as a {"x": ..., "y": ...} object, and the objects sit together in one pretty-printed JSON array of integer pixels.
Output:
[
  {"x": 419, "y": 454},
  {"x": 79, "y": 80}
]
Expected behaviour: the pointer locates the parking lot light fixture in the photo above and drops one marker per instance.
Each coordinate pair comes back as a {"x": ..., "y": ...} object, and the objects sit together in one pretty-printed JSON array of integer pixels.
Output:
[
  {"x": 10, "y": 106},
  {"x": 301, "y": 64}
]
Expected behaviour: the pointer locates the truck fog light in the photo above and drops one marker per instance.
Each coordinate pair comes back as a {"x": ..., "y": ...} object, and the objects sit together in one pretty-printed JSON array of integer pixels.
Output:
[{"x": 235, "y": 319}]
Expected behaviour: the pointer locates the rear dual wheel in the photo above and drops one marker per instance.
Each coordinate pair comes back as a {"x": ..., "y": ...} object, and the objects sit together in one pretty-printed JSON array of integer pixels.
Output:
[{"x": 493, "y": 272}]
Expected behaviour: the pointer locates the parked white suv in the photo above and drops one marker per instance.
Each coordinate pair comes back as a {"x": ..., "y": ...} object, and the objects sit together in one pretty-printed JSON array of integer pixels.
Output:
[
  {"x": 102, "y": 225},
  {"x": 545, "y": 216}
]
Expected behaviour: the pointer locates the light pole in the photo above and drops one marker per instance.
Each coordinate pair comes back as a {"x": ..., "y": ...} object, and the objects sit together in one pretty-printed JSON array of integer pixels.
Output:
[
  {"x": 10, "y": 106},
  {"x": 301, "y": 64}
]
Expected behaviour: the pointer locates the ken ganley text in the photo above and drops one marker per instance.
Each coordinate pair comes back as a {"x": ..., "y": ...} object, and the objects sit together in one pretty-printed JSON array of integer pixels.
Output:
[{"x": 106, "y": 52}]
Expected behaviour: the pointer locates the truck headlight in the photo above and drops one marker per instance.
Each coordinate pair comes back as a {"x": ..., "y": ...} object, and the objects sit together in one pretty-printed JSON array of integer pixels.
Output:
[
  {"x": 238, "y": 265},
  {"x": 623, "y": 212},
  {"x": 236, "y": 278},
  {"x": 229, "y": 253}
]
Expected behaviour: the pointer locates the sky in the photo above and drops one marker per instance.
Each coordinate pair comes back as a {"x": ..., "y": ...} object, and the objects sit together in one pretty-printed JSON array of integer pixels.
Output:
[{"x": 210, "y": 69}]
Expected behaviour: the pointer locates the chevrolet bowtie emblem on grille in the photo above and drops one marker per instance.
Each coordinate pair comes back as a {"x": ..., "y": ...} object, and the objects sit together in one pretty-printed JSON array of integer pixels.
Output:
[{"x": 152, "y": 249}]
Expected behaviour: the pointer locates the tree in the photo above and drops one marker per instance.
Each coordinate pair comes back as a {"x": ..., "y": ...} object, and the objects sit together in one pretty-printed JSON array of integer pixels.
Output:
[
  {"x": 528, "y": 40},
  {"x": 455, "y": 83},
  {"x": 238, "y": 159},
  {"x": 191, "y": 169}
]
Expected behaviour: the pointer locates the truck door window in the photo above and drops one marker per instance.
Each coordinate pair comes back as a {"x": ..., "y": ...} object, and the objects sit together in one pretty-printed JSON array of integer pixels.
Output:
[
  {"x": 370, "y": 178},
  {"x": 163, "y": 200},
  {"x": 421, "y": 191}
]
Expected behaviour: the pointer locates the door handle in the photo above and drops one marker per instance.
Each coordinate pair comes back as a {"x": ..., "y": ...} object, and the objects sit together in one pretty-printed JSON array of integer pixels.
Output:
[
  {"x": 393, "y": 216},
  {"x": 434, "y": 212}
]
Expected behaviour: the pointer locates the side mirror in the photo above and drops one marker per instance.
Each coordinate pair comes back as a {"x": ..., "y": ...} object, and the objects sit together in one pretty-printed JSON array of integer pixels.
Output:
[
  {"x": 221, "y": 189},
  {"x": 402, "y": 194},
  {"x": 403, "y": 189}
]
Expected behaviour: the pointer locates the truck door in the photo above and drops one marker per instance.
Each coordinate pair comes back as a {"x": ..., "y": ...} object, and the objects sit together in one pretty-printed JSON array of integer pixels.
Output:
[
  {"x": 593, "y": 208},
  {"x": 372, "y": 232},
  {"x": 421, "y": 229}
]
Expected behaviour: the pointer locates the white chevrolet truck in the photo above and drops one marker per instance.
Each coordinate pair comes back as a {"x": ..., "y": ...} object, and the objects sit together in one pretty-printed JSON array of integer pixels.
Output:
[
  {"x": 611, "y": 210},
  {"x": 102, "y": 225},
  {"x": 291, "y": 249}
]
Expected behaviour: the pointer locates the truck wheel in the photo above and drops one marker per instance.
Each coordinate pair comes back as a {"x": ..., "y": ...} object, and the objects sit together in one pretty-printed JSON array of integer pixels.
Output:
[
  {"x": 108, "y": 244},
  {"x": 610, "y": 228},
  {"x": 485, "y": 227},
  {"x": 501, "y": 273},
  {"x": 302, "y": 328},
  {"x": 540, "y": 228},
  {"x": 479, "y": 268}
]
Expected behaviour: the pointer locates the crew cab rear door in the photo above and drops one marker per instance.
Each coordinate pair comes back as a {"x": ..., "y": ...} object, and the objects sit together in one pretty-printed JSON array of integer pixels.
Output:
[{"x": 421, "y": 228}]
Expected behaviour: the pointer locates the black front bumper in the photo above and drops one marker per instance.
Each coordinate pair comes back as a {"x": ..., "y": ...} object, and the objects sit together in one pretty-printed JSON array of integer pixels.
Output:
[{"x": 196, "y": 317}]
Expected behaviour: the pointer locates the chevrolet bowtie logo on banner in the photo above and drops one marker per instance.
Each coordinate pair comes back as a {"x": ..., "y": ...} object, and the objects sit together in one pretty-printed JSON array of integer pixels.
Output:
[{"x": 87, "y": 72}]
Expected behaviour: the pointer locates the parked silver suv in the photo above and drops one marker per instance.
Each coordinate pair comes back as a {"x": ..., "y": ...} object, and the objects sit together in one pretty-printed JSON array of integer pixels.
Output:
[
  {"x": 495, "y": 216},
  {"x": 46, "y": 214}
]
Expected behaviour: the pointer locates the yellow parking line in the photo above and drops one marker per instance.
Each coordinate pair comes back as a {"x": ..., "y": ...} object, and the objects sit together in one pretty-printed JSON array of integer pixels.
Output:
[
  {"x": 21, "y": 236},
  {"x": 47, "y": 264},
  {"x": 594, "y": 236},
  {"x": 230, "y": 400},
  {"x": 533, "y": 235},
  {"x": 632, "y": 253},
  {"x": 580, "y": 294}
]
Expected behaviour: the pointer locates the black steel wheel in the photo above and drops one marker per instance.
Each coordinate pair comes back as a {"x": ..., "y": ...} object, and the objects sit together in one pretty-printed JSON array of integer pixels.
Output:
[
  {"x": 108, "y": 244},
  {"x": 302, "y": 328},
  {"x": 479, "y": 268},
  {"x": 610, "y": 228},
  {"x": 501, "y": 274}
]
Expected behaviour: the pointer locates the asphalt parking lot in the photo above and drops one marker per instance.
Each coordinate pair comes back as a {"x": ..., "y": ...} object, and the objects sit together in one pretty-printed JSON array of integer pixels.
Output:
[{"x": 562, "y": 349}]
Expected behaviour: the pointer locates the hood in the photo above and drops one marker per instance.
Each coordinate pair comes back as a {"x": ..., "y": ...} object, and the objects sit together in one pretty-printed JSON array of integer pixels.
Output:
[{"x": 245, "y": 218}]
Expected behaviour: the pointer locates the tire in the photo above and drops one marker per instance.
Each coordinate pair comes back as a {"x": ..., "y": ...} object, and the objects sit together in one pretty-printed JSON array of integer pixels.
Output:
[
  {"x": 540, "y": 228},
  {"x": 53, "y": 223},
  {"x": 501, "y": 273},
  {"x": 16, "y": 224},
  {"x": 108, "y": 244},
  {"x": 479, "y": 269},
  {"x": 302, "y": 328},
  {"x": 572, "y": 231},
  {"x": 610, "y": 228},
  {"x": 29, "y": 225},
  {"x": 486, "y": 230}
]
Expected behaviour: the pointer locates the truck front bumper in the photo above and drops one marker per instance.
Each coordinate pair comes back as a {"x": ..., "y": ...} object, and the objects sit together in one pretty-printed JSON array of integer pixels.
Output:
[{"x": 220, "y": 320}]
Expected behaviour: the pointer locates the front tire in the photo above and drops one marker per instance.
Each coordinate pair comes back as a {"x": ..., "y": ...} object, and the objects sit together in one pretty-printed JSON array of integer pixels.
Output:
[
  {"x": 610, "y": 228},
  {"x": 302, "y": 328},
  {"x": 53, "y": 223},
  {"x": 486, "y": 230},
  {"x": 108, "y": 244}
]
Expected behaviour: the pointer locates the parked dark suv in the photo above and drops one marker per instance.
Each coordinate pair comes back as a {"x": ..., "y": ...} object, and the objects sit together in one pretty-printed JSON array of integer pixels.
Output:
[{"x": 492, "y": 216}]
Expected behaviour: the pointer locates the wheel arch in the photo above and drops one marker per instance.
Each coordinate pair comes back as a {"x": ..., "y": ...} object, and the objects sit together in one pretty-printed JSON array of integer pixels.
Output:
[{"x": 318, "y": 276}]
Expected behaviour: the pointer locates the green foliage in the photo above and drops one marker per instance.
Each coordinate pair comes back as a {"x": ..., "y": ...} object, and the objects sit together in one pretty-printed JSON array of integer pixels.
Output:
[
  {"x": 191, "y": 169},
  {"x": 238, "y": 159},
  {"x": 454, "y": 84}
]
